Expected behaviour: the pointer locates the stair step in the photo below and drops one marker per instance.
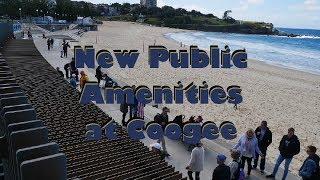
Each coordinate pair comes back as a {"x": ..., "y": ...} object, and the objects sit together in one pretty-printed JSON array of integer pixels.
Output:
[{"x": 1, "y": 176}]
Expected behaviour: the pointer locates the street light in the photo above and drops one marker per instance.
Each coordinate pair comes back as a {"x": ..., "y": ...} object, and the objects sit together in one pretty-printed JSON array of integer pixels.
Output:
[
  {"x": 37, "y": 12},
  {"x": 41, "y": 12},
  {"x": 20, "y": 14}
]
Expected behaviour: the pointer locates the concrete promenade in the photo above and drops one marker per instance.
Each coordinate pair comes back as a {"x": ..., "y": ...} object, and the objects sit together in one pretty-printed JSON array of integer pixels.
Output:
[{"x": 179, "y": 154}]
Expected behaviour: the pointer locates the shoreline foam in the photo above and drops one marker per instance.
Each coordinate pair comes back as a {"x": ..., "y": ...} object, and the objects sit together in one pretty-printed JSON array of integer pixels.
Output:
[{"x": 267, "y": 52}]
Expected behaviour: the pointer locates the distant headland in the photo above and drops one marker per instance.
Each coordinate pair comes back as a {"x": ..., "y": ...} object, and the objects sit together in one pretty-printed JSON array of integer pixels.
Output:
[{"x": 145, "y": 12}]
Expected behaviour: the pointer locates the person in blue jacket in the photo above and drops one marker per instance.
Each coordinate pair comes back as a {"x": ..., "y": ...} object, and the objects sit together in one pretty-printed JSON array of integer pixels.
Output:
[{"x": 310, "y": 168}]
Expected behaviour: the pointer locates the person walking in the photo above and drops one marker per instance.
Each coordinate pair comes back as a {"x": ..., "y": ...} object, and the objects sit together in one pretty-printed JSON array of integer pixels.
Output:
[
  {"x": 65, "y": 47},
  {"x": 248, "y": 148},
  {"x": 222, "y": 171},
  {"x": 99, "y": 74},
  {"x": 163, "y": 119},
  {"x": 29, "y": 34},
  {"x": 196, "y": 162},
  {"x": 51, "y": 43},
  {"x": 289, "y": 147},
  {"x": 310, "y": 167},
  {"x": 61, "y": 53},
  {"x": 264, "y": 136},
  {"x": 48, "y": 44}
]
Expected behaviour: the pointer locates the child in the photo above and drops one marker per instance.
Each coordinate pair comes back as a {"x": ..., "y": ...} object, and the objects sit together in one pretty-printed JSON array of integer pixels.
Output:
[
  {"x": 222, "y": 171},
  {"x": 156, "y": 148},
  {"x": 73, "y": 81},
  {"x": 235, "y": 165}
]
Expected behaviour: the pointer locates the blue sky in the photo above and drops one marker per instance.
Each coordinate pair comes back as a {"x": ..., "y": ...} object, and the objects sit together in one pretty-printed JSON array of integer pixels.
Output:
[{"x": 282, "y": 13}]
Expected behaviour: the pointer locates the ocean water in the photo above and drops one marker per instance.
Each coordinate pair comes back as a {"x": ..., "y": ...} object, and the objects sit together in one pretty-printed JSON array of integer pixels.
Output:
[{"x": 300, "y": 53}]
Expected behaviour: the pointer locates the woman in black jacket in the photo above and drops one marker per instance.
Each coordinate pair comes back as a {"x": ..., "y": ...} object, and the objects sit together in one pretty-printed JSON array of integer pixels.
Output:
[{"x": 264, "y": 136}]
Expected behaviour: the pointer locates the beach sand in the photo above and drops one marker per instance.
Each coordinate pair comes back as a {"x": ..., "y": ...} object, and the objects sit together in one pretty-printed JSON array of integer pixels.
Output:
[{"x": 283, "y": 97}]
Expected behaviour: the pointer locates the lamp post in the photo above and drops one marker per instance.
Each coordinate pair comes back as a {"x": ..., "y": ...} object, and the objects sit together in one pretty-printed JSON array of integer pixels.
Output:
[
  {"x": 37, "y": 13},
  {"x": 41, "y": 12},
  {"x": 20, "y": 14}
]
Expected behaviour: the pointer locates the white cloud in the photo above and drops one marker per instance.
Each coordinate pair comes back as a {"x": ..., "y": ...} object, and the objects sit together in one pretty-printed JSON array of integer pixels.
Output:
[
  {"x": 255, "y": 1},
  {"x": 311, "y": 5},
  {"x": 307, "y": 5},
  {"x": 161, "y": 3},
  {"x": 244, "y": 5}
]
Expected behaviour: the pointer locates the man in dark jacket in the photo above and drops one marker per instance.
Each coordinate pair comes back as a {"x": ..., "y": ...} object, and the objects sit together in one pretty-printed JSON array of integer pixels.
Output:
[
  {"x": 289, "y": 147},
  {"x": 49, "y": 44},
  {"x": 163, "y": 120},
  {"x": 222, "y": 171},
  {"x": 310, "y": 168},
  {"x": 73, "y": 69},
  {"x": 264, "y": 137}
]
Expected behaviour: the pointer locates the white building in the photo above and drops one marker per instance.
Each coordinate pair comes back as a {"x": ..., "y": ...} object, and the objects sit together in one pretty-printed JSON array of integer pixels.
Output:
[
  {"x": 148, "y": 3},
  {"x": 85, "y": 21}
]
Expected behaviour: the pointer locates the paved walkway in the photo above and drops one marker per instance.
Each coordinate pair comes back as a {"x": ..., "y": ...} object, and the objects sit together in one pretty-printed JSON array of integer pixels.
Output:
[{"x": 178, "y": 151}]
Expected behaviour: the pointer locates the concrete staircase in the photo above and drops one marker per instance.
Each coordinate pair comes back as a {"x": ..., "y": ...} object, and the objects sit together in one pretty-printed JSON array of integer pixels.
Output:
[{"x": 64, "y": 119}]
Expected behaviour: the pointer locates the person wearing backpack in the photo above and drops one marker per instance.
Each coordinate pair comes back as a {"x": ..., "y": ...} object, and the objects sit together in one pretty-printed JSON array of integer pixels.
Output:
[
  {"x": 310, "y": 168},
  {"x": 235, "y": 165}
]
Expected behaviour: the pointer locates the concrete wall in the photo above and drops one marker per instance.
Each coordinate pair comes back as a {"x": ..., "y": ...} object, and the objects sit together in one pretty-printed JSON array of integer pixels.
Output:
[{"x": 5, "y": 32}]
